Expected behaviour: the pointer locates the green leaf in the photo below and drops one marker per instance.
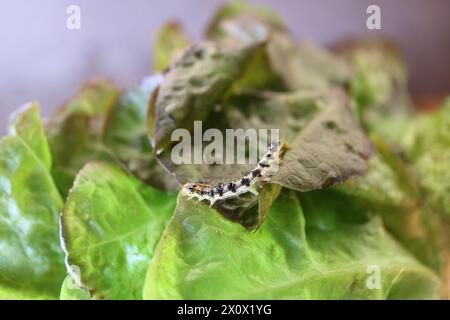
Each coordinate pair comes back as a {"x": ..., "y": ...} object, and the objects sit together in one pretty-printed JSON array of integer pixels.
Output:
[
  {"x": 170, "y": 41},
  {"x": 304, "y": 250},
  {"x": 426, "y": 140},
  {"x": 379, "y": 84},
  {"x": 111, "y": 223},
  {"x": 240, "y": 24},
  {"x": 125, "y": 134},
  {"x": 25, "y": 123},
  {"x": 390, "y": 189},
  {"x": 31, "y": 259},
  {"x": 71, "y": 291},
  {"x": 75, "y": 130},
  {"x": 237, "y": 10}
]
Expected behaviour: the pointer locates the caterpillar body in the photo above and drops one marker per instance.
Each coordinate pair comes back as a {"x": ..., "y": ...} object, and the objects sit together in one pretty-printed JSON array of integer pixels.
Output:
[{"x": 261, "y": 174}]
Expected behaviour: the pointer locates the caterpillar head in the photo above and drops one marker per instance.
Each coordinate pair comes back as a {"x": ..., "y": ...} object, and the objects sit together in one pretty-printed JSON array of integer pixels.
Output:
[{"x": 274, "y": 145}]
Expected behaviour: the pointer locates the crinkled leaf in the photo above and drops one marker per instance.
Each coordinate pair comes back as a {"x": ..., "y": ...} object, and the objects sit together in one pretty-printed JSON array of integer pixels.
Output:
[
  {"x": 301, "y": 251},
  {"x": 426, "y": 140},
  {"x": 191, "y": 89},
  {"x": 111, "y": 223},
  {"x": 194, "y": 90},
  {"x": 379, "y": 85},
  {"x": 328, "y": 145},
  {"x": 31, "y": 259},
  {"x": 380, "y": 88},
  {"x": 389, "y": 189},
  {"x": 288, "y": 65},
  {"x": 328, "y": 150},
  {"x": 242, "y": 25},
  {"x": 170, "y": 41}
]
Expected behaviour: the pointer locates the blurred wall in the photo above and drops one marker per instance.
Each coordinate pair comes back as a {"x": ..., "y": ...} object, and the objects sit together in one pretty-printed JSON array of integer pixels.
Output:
[{"x": 41, "y": 59}]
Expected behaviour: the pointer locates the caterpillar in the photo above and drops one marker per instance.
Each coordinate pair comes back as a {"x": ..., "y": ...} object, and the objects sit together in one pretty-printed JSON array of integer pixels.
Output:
[{"x": 260, "y": 175}]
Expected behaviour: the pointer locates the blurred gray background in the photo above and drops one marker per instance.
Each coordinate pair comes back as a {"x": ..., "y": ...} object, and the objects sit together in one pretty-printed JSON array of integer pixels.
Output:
[{"x": 40, "y": 59}]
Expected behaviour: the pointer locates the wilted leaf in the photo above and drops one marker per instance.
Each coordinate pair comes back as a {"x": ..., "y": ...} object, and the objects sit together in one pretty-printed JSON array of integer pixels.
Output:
[
  {"x": 328, "y": 150},
  {"x": 194, "y": 85},
  {"x": 328, "y": 146},
  {"x": 194, "y": 90}
]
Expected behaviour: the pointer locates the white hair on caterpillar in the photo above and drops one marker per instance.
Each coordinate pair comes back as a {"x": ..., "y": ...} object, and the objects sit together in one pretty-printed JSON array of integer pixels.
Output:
[{"x": 260, "y": 175}]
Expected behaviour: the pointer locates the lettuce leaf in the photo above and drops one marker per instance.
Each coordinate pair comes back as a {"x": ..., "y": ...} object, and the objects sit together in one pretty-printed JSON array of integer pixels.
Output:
[
  {"x": 110, "y": 225},
  {"x": 31, "y": 259},
  {"x": 426, "y": 140},
  {"x": 169, "y": 43},
  {"x": 330, "y": 148},
  {"x": 75, "y": 130},
  {"x": 306, "y": 249},
  {"x": 328, "y": 145},
  {"x": 379, "y": 85},
  {"x": 390, "y": 190},
  {"x": 236, "y": 9},
  {"x": 71, "y": 291},
  {"x": 125, "y": 134}
]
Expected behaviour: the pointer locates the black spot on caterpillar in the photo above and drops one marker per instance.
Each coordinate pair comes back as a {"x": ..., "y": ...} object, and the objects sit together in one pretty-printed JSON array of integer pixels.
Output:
[{"x": 260, "y": 175}]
